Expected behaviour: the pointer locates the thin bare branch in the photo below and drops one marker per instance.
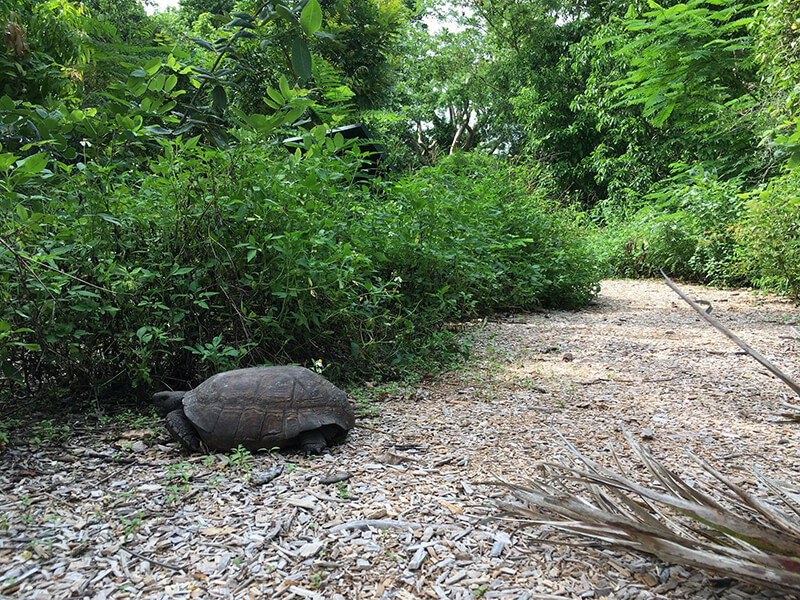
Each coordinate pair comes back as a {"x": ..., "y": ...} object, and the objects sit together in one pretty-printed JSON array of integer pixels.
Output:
[{"x": 734, "y": 338}]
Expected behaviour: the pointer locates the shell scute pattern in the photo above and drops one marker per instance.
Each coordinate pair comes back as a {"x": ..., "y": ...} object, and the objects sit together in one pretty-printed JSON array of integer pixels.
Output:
[{"x": 265, "y": 407}]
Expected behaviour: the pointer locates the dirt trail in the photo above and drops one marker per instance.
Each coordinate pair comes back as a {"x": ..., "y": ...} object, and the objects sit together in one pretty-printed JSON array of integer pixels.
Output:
[{"x": 79, "y": 523}]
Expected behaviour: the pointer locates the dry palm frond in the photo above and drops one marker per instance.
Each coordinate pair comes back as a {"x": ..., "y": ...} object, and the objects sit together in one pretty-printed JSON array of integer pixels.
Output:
[{"x": 732, "y": 532}]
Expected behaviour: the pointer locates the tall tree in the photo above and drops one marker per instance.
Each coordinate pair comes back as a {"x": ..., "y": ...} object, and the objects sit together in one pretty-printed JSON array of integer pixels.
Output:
[
  {"x": 128, "y": 18},
  {"x": 363, "y": 40},
  {"x": 191, "y": 9},
  {"x": 443, "y": 94}
]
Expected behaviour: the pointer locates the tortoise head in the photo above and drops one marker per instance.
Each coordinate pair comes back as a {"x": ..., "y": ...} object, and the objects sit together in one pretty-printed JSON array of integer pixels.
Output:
[{"x": 166, "y": 402}]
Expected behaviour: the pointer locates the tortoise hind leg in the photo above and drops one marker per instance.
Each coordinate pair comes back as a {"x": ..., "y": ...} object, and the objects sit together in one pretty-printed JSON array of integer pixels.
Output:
[
  {"x": 313, "y": 441},
  {"x": 181, "y": 428}
]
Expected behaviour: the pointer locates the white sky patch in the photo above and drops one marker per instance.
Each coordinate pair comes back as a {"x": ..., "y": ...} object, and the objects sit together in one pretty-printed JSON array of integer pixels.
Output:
[
  {"x": 436, "y": 24},
  {"x": 160, "y": 6}
]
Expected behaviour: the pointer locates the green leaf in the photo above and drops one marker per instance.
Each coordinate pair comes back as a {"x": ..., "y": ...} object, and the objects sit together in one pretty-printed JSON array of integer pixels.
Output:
[
  {"x": 110, "y": 219},
  {"x": 243, "y": 33},
  {"x": 294, "y": 114},
  {"x": 158, "y": 130},
  {"x": 286, "y": 14},
  {"x": 7, "y": 159},
  {"x": 311, "y": 17},
  {"x": 240, "y": 114},
  {"x": 219, "y": 98},
  {"x": 31, "y": 347},
  {"x": 237, "y": 22},
  {"x": 136, "y": 86},
  {"x": 284, "y": 85},
  {"x": 663, "y": 115},
  {"x": 11, "y": 371},
  {"x": 191, "y": 142},
  {"x": 170, "y": 83},
  {"x": 203, "y": 44},
  {"x": 301, "y": 59},
  {"x": 152, "y": 66},
  {"x": 156, "y": 83},
  {"x": 168, "y": 106},
  {"x": 33, "y": 164},
  {"x": 276, "y": 96}
]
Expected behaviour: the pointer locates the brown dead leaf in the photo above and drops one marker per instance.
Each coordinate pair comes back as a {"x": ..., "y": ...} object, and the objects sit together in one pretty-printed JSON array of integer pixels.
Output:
[{"x": 392, "y": 458}]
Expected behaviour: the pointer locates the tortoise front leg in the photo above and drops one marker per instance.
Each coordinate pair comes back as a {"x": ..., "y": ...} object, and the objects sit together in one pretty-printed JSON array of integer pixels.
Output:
[
  {"x": 313, "y": 442},
  {"x": 181, "y": 428}
]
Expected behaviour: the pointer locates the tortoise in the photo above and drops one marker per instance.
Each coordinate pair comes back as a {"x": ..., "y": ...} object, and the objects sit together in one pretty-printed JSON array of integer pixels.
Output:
[{"x": 258, "y": 408}]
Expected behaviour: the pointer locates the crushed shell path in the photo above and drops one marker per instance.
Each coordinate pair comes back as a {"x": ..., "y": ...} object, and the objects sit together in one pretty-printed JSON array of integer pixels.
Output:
[{"x": 123, "y": 514}]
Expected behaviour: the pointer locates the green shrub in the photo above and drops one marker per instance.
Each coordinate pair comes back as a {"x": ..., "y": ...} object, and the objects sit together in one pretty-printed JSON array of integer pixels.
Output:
[
  {"x": 687, "y": 230},
  {"x": 483, "y": 237},
  {"x": 769, "y": 236},
  {"x": 214, "y": 259}
]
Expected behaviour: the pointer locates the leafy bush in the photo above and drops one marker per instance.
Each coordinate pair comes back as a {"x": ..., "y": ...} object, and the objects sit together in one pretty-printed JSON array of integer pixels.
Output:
[
  {"x": 484, "y": 237},
  {"x": 222, "y": 258},
  {"x": 769, "y": 236},
  {"x": 688, "y": 230},
  {"x": 43, "y": 48}
]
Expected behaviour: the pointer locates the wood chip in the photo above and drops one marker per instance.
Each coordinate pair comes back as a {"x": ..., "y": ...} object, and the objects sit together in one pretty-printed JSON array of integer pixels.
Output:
[
  {"x": 416, "y": 561},
  {"x": 417, "y": 526}
]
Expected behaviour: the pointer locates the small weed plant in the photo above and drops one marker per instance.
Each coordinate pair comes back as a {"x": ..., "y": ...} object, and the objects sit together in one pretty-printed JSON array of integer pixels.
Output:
[
  {"x": 49, "y": 433},
  {"x": 343, "y": 491},
  {"x": 179, "y": 477},
  {"x": 240, "y": 460},
  {"x": 130, "y": 525}
]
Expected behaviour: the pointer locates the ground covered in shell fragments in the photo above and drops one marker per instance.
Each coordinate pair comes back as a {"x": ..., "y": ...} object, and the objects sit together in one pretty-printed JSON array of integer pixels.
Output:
[{"x": 399, "y": 510}]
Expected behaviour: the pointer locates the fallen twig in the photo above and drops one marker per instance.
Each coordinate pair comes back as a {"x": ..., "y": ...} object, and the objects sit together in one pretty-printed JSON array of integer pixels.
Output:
[
  {"x": 734, "y": 338},
  {"x": 626, "y": 381},
  {"x": 376, "y": 523},
  {"x": 152, "y": 560}
]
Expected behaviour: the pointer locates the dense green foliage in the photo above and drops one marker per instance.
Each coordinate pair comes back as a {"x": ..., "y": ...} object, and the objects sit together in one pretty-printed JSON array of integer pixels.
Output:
[
  {"x": 153, "y": 229},
  {"x": 695, "y": 71},
  {"x": 663, "y": 121},
  {"x": 769, "y": 235},
  {"x": 205, "y": 263}
]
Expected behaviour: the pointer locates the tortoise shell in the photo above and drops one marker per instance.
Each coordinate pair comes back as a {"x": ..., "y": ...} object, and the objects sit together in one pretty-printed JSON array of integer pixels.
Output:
[{"x": 266, "y": 407}]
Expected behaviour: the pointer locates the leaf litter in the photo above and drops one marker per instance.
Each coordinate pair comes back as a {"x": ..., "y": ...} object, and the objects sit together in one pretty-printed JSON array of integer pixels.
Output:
[{"x": 398, "y": 511}]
